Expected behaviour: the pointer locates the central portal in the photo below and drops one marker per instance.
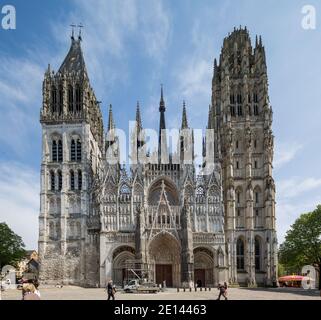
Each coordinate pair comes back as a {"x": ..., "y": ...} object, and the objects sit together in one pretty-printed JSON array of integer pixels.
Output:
[
  {"x": 164, "y": 249},
  {"x": 164, "y": 272}
]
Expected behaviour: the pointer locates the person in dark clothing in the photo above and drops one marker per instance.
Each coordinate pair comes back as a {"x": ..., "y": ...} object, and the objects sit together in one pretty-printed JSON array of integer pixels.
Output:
[
  {"x": 222, "y": 290},
  {"x": 110, "y": 290}
]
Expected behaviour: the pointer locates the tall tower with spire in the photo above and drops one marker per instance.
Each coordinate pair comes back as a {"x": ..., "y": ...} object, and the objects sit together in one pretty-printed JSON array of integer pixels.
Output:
[
  {"x": 241, "y": 116},
  {"x": 72, "y": 141}
]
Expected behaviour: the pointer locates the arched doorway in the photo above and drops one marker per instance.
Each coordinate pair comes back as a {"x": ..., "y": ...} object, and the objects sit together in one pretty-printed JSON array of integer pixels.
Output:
[
  {"x": 164, "y": 250},
  {"x": 203, "y": 267},
  {"x": 120, "y": 256}
]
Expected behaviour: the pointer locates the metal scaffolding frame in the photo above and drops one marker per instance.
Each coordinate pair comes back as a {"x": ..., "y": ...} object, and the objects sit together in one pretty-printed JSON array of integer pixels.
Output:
[{"x": 138, "y": 270}]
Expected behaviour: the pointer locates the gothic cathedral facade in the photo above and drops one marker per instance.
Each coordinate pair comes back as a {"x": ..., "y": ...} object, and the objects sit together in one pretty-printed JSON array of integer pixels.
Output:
[{"x": 160, "y": 221}]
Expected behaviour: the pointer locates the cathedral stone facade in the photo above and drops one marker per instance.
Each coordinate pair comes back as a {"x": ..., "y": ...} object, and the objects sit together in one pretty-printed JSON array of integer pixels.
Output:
[{"x": 159, "y": 218}]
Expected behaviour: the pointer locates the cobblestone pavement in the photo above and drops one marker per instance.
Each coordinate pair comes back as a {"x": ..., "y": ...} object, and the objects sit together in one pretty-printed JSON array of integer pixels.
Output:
[{"x": 77, "y": 293}]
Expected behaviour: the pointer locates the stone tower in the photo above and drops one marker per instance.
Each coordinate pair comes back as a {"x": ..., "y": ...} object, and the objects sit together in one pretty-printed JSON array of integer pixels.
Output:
[
  {"x": 72, "y": 140},
  {"x": 241, "y": 116}
]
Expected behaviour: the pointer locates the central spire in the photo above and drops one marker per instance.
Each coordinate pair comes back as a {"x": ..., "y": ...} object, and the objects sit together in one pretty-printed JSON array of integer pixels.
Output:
[{"x": 162, "y": 142}]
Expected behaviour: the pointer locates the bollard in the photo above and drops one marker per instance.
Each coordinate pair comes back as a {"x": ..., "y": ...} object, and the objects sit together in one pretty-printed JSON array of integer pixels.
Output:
[
  {"x": 200, "y": 288},
  {"x": 209, "y": 289},
  {"x": 190, "y": 289},
  {"x": 195, "y": 289},
  {"x": 177, "y": 289},
  {"x": 205, "y": 288}
]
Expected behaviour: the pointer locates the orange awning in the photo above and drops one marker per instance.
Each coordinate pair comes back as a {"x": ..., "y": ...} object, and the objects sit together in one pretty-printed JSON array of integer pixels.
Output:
[{"x": 291, "y": 278}]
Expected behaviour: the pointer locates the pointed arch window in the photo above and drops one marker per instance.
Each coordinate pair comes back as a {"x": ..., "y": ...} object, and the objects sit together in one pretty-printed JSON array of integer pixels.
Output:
[
  {"x": 239, "y": 99},
  {"x": 255, "y": 98},
  {"x": 72, "y": 180},
  {"x": 78, "y": 150},
  {"x": 240, "y": 110},
  {"x": 60, "y": 157},
  {"x": 240, "y": 254},
  {"x": 78, "y": 98},
  {"x": 54, "y": 99},
  {"x": 70, "y": 98},
  {"x": 79, "y": 180},
  {"x": 256, "y": 107},
  {"x": 59, "y": 180},
  {"x": 52, "y": 181},
  {"x": 257, "y": 254},
  {"x": 238, "y": 197},
  {"x": 72, "y": 150},
  {"x": 232, "y": 110},
  {"x": 61, "y": 100},
  {"x": 54, "y": 151},
  {"x": 257, "y": 197}
]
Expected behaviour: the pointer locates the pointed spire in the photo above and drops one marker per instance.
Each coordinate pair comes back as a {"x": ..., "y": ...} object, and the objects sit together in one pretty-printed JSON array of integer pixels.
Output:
[
  {"x": 138, "y": 117},
  {"x": 162, "y": 102},
  {"x": 256, "y": 41},
  {"x": 111, "y": 124},
  {"x": 260, "y": 41},
  {"x": 162, "y": 140},
  {"x": 184, "y": 117},
  {"x": 74, "y": 61}
]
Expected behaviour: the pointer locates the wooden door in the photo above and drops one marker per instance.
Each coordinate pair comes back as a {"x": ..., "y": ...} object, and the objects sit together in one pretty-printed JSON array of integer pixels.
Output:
[
  {"x": 199, "y": 277},
  {"x": 164, "y": 273}
]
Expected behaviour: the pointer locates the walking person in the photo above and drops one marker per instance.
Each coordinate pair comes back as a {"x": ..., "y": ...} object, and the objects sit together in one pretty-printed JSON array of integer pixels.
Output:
[
  {"x": 221, "y": 289},
  {"x": 111, "y": 290}
]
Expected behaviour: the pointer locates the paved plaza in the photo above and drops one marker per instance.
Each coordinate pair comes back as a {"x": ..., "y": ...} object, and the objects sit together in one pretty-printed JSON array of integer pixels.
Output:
[{"x": 77, "y": 293}]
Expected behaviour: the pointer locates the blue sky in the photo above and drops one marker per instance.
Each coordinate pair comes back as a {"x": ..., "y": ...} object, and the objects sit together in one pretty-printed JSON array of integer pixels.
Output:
[{"x": 131, "y": 47}]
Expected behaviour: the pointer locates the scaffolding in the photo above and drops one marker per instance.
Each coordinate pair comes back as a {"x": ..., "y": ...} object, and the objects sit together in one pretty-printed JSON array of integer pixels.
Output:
[{"x": 137, "y": 270}]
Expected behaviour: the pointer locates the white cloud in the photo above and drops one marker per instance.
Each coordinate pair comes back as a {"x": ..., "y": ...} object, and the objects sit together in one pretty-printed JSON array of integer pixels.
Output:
[
  {"x": 293, "y": 187},
  {"x": 155, "y": 23},
  {"x": 19, "y": 201},
  {"x": 20, "y": 91},
  {"x": 284, "y": 153}
]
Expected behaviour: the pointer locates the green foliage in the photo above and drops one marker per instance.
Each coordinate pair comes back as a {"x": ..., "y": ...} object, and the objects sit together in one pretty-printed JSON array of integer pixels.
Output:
[
  {"x": 302, "y": 245},
  {"x": 11, "y": 246}
]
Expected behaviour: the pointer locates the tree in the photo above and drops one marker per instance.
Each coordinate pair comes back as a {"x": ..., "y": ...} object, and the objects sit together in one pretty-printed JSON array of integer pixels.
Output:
[
  {"x": 302, "y": 245},
  {"x": 11, "y": 247}
]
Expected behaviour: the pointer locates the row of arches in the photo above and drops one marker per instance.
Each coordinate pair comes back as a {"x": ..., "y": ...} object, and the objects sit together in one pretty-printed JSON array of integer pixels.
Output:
[
  {"x": 241, "y": 253},
  {"x": 56, "y": 180},
  {"x": 237, "y": 98},
  {"x": 57, "y": 150},
  {"x": 165, "y": 263},
  {"x": 74, "y": 98},
  {"x": 240, "y": 196}
]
